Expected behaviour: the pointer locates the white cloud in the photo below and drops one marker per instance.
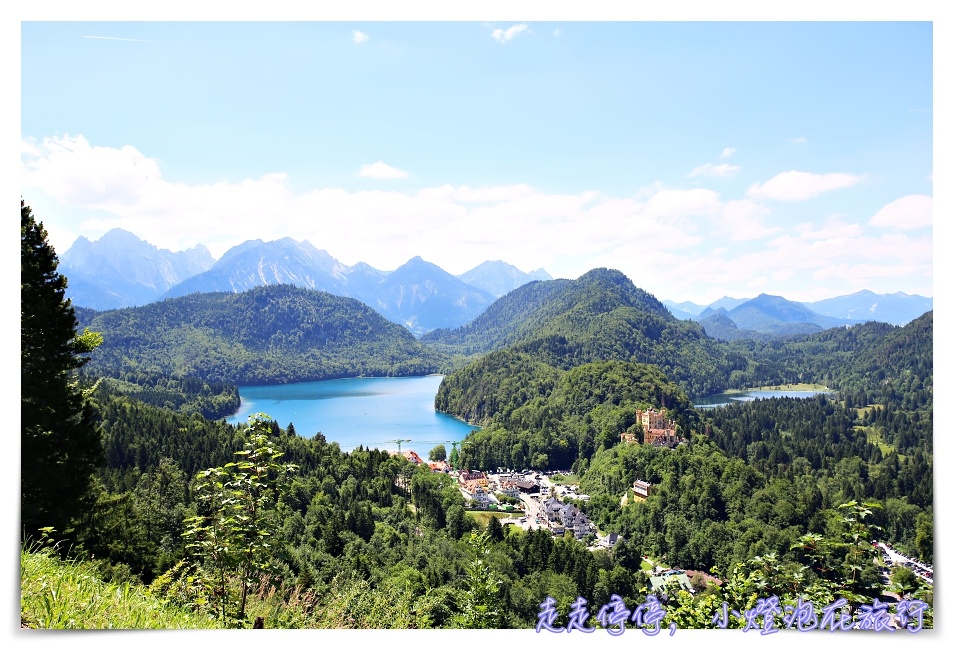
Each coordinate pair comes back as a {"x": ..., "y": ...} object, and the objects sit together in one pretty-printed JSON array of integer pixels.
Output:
[
  {"x": 799, "y": 140},
  {"x": 673, "y": 205},
  {"x": 742, "y": 221},
  {"x": 359, "y": 37},
  {"x": 381, "y": 170},
  {"x": 70, "y": 169},
  {"x": 835, "y": 228},
  {"x": 505, "y": 36},
  {"x": 456, "y": 226},
  {"x": 728, "y": 151},
  {"x": 675, "y": 243},
  {"x": 800, "y": 186},
  {"x": 104, "y": 187},
  {"x": 492, "y": 194},
  {"x": 816, "y": 267},
  {"x": 906, "y": 213},
  {"x": 719, "y": 171}
]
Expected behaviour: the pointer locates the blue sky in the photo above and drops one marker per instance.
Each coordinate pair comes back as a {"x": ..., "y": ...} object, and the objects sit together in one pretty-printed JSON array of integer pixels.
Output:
[{"x": 702, "y": 159}]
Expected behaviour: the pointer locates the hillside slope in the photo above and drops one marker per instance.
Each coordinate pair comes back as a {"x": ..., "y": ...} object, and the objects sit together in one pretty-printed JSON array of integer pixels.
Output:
[
  {"x": 273, "y": 334},
  {"x": 600, "y": 316}
]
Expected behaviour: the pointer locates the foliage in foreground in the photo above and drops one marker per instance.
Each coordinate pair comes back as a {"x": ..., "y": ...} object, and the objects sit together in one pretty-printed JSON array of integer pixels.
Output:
[
  {"x": 70, "y": 595},
  {"x": 231, "y": 537}
]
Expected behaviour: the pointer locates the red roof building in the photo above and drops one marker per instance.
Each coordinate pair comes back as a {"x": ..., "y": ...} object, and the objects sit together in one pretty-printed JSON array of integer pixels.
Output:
[{"x": 412, "y": 456}]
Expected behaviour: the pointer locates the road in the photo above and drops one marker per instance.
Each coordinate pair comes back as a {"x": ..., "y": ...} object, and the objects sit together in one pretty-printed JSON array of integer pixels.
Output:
[{"x": 900, "y": 559}]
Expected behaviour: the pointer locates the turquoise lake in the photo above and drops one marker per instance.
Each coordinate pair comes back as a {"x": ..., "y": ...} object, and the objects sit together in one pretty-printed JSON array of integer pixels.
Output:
[
  {"x": 369, "y": 411},
  {"x": 721, "y": 399}
]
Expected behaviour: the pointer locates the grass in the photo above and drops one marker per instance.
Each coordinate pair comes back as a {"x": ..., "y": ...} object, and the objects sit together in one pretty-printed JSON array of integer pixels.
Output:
[
  {"x": 565, "y": 479},
  {"x": 862, "y": 411},
  {"x": 874, "y": 437},
  {"x": 482, "y": 517},
  {"x": 57, "y": 594}
]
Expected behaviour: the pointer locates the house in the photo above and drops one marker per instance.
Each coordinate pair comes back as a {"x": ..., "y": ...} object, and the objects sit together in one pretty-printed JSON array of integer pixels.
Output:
[
  {"x": 573, "y": 519},
  {"x": 476, "y": 486},
  {"x": 641, "y": 488},
  {"x": 482, "y": 498},
  {"x": 583, "y": 527},
  {"x": 466, "y": 478},
  {"x": 671, "y": 581},
  {"x": 510, "y": 489},
  {"x": 476, "y": 493},
  {"x": 610, "y": 540},
  {"x": 658, "y": 429},
  {"x": 525, "y": 486},
  {"x": 439, "y": 466},
  {"x": 561, "y": 517},
  {"x": 413, "y": 457},
  {"x": 551, "y": 508}
]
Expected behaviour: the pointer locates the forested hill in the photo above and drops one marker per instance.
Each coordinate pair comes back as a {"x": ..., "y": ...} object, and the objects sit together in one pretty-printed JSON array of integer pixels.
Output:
[
  {"x": 872, "y": 362},
  {"x": 267, "y": 335},
  {"x": 534, "y": 414},
  {"x": 539, "y": 306},
  {"x": 600, "y": 316}
]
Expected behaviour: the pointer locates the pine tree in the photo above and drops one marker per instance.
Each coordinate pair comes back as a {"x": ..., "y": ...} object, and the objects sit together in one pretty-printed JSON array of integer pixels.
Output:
[
  {"x": 60, "y": 442},
  {"x": 495, "y": 530}
]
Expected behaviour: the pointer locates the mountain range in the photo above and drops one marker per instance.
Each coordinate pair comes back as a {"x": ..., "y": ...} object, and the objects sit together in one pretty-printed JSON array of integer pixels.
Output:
[
  {"x": 767, "y": 316},
  {"x": 120, "y": 270}
]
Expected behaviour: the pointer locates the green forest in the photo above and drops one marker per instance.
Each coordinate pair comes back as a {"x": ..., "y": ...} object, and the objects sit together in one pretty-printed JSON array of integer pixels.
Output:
[{"x": 129, "y": 470}]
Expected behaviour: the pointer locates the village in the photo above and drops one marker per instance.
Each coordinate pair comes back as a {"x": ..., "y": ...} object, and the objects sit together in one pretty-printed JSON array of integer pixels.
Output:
[
  {"x": 534, "y": 500},
  {"x": 543, "y": 503}
]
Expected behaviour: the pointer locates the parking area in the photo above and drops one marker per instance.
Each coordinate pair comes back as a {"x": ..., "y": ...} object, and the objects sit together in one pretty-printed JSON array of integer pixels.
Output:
[{"x": 894, "y": 558}]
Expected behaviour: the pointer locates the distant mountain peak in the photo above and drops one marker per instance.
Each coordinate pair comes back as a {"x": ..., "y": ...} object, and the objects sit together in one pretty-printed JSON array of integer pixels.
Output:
[
  {"x": 121, "y": 270},
  {"x": 119, "y": 235},
  {"x": 499, "y": 278},
  {"x": 897, "y": 308}
]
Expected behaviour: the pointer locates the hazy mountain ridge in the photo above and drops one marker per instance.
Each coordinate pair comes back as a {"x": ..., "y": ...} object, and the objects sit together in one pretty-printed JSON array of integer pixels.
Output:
[
  {"x": 422, "y": 296},
  {"x": 120, "y": 270},
  {"x": 896, "y": 308},
  {"x": 499, "y": 278},
  {"x": 765, "y": 313},
  {"x": 774, "y": 316},
  {"x": 419, "y": 295},
  {"x": 257, "y": 263}
]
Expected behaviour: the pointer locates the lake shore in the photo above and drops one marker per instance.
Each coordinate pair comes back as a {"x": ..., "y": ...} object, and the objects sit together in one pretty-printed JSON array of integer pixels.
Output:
[{"x": 785, "y": 387}]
